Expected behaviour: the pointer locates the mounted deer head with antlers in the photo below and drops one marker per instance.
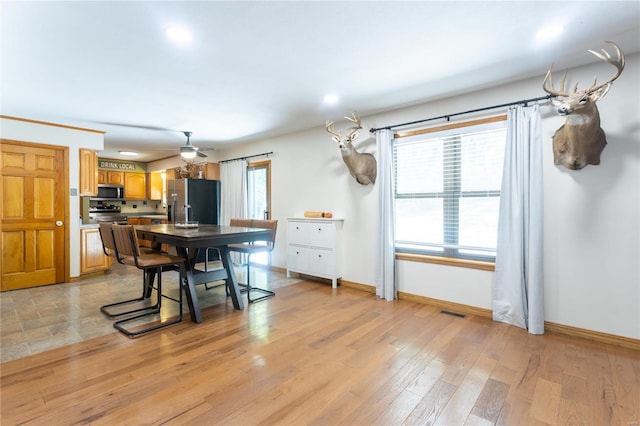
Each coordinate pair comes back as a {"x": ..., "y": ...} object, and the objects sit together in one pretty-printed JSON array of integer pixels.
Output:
[
  {"x": 580, "y": 140},
  {"x": 363, "y": 167}
]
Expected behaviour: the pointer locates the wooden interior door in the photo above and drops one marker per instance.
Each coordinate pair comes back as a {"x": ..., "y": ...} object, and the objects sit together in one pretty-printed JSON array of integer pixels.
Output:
[{"x": 32, "y": 212}]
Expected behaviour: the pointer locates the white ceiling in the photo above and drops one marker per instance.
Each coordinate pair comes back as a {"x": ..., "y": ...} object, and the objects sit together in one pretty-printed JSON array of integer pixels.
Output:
[{"x": 258, "y": 69}]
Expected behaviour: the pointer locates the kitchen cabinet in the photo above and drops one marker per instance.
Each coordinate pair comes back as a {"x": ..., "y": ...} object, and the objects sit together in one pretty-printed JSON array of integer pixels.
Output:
[
  {"x": 92, "y": 257},
  {"x": 212, "y": 171},
  {"x": 154, "y": 186},
  {"x": 314, "y": 246},
  {"x": 135, "y": 187},
  {"x": 140, "y": 221},
  {"x": 113, "y": 177},
  {"x": 147, "y": 221},
  {"x": 88, "y": 185}
]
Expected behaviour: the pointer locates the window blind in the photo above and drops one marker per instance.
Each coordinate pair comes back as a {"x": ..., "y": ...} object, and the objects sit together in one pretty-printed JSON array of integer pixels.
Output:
[{"x": 447, "y": 186}]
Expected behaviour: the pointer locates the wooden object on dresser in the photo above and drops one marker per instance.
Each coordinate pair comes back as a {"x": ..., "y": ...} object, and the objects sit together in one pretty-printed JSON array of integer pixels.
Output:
[
  {"x": 92, "y": 257},
  {"x": 313, "y": 248}
]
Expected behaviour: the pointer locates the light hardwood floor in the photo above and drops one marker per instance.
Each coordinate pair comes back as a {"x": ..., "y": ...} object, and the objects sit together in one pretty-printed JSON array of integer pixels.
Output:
[
  {"x": 322, "y": 356},
  {"x": 42, "y": 318}
]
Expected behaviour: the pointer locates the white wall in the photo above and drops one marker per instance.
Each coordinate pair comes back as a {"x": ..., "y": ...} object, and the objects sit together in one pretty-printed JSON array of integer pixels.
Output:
[
  {"x": 61, "y": 136},
  {"x": 592, "y": 229}
]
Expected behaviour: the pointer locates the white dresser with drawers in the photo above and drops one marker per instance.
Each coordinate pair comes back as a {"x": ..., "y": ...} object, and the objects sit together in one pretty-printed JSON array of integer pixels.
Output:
[{"x": 314, "y": 247}]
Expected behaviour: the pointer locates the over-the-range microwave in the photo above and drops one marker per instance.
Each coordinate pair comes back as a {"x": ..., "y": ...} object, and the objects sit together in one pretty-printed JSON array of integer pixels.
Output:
[{"x": 110, "y": 192}]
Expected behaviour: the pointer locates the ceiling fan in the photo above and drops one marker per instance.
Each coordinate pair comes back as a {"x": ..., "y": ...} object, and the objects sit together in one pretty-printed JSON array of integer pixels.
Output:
[
  {"x": 190, "y": 151},
  {"x": 187, "y": 151}
]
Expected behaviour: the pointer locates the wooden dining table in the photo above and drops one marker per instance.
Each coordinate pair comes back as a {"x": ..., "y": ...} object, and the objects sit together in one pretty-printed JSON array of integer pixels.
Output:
[{"x": 188, "y": 241}]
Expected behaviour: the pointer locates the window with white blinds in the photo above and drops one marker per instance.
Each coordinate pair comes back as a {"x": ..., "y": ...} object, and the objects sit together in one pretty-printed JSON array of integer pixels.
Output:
[{"x": 447, "y": 184}]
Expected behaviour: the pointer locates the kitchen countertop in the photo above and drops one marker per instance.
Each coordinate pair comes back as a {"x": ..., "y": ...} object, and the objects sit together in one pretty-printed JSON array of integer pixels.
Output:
[
  {"x": 146, "y": 215},
  {"x": 88, "y": 225}
]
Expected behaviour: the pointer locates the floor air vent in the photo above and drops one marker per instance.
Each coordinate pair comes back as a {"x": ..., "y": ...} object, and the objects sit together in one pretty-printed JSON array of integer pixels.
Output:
[{"x": 454, "y": 314}]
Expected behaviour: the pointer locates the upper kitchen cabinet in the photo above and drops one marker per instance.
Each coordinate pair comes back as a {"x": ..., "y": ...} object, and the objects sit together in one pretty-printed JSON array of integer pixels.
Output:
[
  {"x": 212, "y": 171},
  {"x": 111, "y": 177},
  {"x": 88, "y": 172},
  {"x": 135, "y": 187},
  {"x": 154, "y": 186}
]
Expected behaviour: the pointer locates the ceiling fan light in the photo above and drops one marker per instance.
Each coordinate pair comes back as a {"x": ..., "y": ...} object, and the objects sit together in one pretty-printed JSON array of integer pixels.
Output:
[{"x": 188, "y": 154}]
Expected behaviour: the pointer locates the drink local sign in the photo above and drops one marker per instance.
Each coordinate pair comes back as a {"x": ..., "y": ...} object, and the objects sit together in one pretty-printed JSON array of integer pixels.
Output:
[{"x": 122, "y": 166}]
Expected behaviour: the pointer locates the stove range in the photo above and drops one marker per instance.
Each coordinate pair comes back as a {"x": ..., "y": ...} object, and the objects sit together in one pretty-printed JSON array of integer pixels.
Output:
[{"x": 110, "y": 213}]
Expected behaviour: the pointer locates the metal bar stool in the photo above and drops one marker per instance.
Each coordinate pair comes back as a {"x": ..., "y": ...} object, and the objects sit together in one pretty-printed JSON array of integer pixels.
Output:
[
  {"x": 128, "y": 252},
  {"x": 109, "y": 248},
  {"x": 252, "y": 248}
]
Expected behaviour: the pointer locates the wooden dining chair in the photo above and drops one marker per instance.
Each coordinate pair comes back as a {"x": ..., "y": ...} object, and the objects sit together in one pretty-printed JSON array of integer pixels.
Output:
[
  {"x": 128, "y": 252},
  {"x": 253, "y": 248},
  {"x": 112, "y": 310},
  {"x": 245, "y": 223}
]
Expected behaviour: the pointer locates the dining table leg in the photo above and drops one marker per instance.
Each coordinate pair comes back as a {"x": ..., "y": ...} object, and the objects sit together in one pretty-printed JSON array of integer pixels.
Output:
[
  {"x": 189, "y": 283},
  {"x": 189, "y": 286},
  {"x": 232, "y": 282},
  {"x": 192, "y": 296}
]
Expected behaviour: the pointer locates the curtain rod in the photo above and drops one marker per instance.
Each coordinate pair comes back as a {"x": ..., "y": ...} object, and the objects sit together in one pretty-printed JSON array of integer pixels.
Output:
[
  {"x": 248, "y": 156},
  {"x": 524, "y": 102}
]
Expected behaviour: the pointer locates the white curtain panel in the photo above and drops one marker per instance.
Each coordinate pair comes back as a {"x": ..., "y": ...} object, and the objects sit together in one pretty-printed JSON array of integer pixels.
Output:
[
  {"x": 233, "y": 200},
  {"x": 518, "y": 297},
  {"x": 385, "y": 256}
]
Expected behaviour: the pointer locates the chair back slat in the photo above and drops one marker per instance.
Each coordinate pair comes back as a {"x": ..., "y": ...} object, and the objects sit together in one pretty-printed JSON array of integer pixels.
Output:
[
  {"x": 246, "y": 223},
  {"x": 126, "y": 240},
  {"x": 106, "y": 236},
  {"x": 266, "y": 224},
  {"x": 258, "y": 223}
]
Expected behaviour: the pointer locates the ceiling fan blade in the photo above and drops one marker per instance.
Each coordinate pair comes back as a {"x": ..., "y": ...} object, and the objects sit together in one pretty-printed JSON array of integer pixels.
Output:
[{"x": 201, "y": 154}]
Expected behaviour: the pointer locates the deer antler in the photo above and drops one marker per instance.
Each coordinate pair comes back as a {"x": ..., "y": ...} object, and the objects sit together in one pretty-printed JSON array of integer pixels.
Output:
[
  {"x": 618, "y": 63},
  {"x": 355, "y": 118},
  {"x": 604, "y": 56},
  {"x": 329, "y": 126},
  {"x": 353, "y": 131},
  {"x": 552, "y": 90}
]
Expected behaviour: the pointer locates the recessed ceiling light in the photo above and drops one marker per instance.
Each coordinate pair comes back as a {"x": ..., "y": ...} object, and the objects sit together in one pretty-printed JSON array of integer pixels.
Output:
[
  {"x": 331, "y": 99},
  {"x": 128, "y": 153},
  {"x": 179, "y": 34},
  {"x": 549, "y": 33}
]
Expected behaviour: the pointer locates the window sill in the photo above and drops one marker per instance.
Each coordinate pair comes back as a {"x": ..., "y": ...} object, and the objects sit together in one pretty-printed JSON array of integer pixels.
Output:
[{"x": 449, "y": 261}]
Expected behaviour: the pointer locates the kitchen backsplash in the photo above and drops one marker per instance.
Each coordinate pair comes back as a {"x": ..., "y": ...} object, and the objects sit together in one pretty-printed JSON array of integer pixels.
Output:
[{"x": 138, "y": 207}]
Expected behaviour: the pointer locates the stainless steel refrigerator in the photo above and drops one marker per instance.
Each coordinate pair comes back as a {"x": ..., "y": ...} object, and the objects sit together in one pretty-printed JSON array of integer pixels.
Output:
[{"x": 200, "y": 195}]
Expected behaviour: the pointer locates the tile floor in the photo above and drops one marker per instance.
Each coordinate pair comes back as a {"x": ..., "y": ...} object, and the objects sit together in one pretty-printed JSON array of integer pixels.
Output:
[{"x": 42, "y": 318}]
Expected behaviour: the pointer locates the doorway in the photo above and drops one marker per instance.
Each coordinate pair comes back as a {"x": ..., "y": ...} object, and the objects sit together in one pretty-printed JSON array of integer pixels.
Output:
[
  {"x": 33, "y": 214},
  {"x": 259, "y": 200}
]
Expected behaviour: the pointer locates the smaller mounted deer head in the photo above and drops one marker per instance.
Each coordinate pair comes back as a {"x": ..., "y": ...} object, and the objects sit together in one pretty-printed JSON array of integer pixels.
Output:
[
  {"x": 363, "y": 167},
  {"x": 580, "y": 140}
]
